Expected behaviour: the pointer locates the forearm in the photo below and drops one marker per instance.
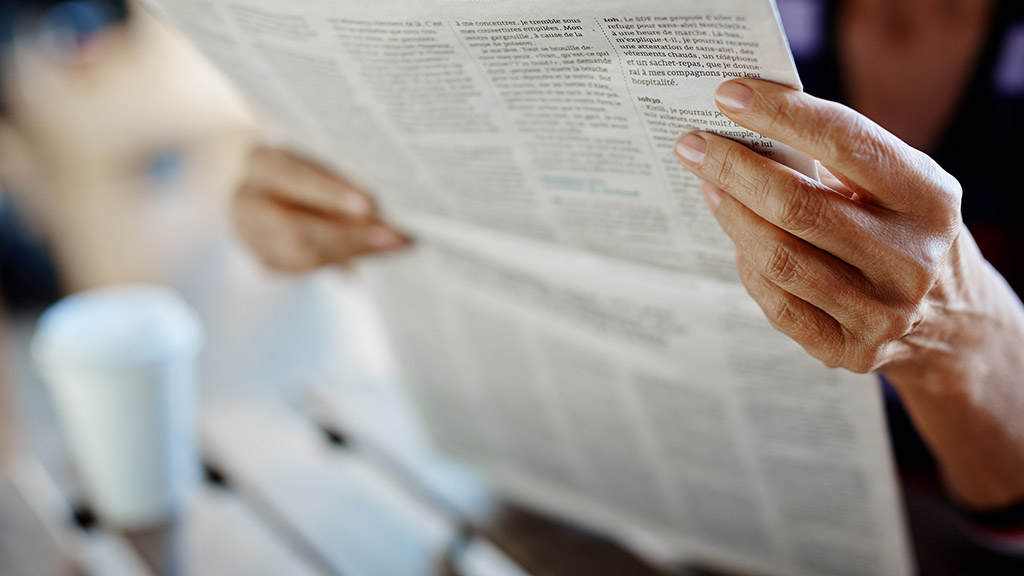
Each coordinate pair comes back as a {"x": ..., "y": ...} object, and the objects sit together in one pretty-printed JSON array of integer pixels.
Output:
[{"x": 965, "y": 391}]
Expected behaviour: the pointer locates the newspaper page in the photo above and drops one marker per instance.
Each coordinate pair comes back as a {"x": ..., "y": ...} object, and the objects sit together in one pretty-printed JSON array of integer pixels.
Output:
[{"x": 571, "y": 320}]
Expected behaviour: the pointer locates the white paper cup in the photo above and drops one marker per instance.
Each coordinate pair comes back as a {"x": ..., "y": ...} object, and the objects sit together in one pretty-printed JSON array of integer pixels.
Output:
[{"x": 120, "y": 364}]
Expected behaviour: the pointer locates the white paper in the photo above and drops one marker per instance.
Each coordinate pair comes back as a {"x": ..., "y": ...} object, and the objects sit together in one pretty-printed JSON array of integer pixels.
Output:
[{"x": 571, "y": 319}]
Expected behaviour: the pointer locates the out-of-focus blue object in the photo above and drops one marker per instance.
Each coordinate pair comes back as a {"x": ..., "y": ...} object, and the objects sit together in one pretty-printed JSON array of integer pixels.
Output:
[
  {"x": 73, "y": 24},
  {"x": 64, "y": 26},
  {"x": 80, "y": 18},
  {"x": 165, "y": 169}
]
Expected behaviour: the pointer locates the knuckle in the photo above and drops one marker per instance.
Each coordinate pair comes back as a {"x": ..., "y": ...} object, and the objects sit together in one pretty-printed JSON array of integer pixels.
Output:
[
  {"x": 952, "y": 193},
  {"x": 784, "y": 111},
  {"x": 875, "y": 358},
  {"x": 830, "y": 356},
  {"x": 801, "y": 211},
  {"x": 893, "y": 324},
  {"x": 846, "y": 134},
  {"x": 945, "y": 196},
  {"x": 827, "y": 346},
  {"x": 863, "y": 365},
  {"x": 730, "y": 165},
  {"x": 916, "y": 274},
  {"x": 770, "y": 185},
  {"x": 923, "y": 278},
  {"x": 866, "y": 350},
  {"x": 784, "y": 317},
  {"x": 782, "y": 265},
  {"x": 861, "y": 360}
]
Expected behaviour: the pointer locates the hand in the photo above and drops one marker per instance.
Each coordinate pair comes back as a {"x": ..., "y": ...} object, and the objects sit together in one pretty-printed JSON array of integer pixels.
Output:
[
  {"x": 852, "y": 266},
  {"x": 297, "y": 216},
  {"x": 872, "y": 270}
]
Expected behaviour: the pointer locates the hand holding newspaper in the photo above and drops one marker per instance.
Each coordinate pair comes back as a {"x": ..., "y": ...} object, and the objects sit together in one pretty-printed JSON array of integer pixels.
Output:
[{"x": 571, "y": 320}]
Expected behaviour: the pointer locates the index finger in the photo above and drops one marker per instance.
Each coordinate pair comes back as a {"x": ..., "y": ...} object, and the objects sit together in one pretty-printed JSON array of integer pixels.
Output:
[
  {"x": 890, "y": 171},
  {"x": 297, "y": 182}
]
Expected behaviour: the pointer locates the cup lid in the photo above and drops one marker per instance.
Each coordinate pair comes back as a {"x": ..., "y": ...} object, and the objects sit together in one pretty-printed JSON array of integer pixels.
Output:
[{"x": 119, "y": 326}]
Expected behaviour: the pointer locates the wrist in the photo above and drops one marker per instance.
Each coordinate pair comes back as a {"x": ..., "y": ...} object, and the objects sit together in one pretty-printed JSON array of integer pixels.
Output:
[
  {"x": 971, "y": 328},
  {"x": 959, "y": 377}
]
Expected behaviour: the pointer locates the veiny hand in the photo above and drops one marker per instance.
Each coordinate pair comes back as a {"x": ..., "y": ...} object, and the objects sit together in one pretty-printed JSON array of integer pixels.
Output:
[
  {"x": 297, "y": 216},
  {"x": 873, "y": 270},
  {"x": 856, "y": 267}
]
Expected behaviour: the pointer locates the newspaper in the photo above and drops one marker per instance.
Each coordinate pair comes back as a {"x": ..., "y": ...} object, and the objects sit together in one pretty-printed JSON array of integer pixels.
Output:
[{"x": 571, "y": 320}]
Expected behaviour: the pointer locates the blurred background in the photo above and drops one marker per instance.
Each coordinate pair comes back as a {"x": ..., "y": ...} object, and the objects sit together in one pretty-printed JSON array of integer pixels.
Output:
[{"x": 120, "y": 150}]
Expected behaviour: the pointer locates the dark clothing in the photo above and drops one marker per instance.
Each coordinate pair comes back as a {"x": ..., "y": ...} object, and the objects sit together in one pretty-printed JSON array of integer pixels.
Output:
[{"x": 27, "y": 275}]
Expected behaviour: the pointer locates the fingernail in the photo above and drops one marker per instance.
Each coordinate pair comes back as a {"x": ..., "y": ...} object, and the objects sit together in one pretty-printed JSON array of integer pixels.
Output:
[
  {"x": 712, "y": 195},
  {"x": 691, "y": 148},
  {"x": 734, "y": 96},
  {"x": 354, "y": 204},
  {"x": 382, "y": 237}
]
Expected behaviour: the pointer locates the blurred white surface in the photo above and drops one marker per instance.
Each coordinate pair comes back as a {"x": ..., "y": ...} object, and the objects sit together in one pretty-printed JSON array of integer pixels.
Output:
[{"x": 120, "y": 365}]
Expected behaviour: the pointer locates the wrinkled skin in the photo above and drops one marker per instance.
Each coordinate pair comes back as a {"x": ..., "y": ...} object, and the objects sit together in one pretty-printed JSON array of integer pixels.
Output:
[{"x": 872, "y": 270}]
